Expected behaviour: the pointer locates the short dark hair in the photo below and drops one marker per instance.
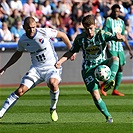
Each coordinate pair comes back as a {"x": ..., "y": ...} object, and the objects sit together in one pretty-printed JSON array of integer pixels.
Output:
[
  {"x": 29, "y": 20},
  {"x": 115, "y": 6},
  {"x": 88, "y": 20}
]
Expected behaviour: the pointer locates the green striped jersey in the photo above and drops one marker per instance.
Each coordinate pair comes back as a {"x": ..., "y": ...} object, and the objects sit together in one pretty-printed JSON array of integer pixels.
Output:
[
  {"x": 93, "y": 49},
  {"x": 114, "y": 26}
]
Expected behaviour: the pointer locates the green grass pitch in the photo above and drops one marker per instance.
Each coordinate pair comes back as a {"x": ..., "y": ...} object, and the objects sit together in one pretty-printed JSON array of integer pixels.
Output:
[{"x": 76, "y": 110}]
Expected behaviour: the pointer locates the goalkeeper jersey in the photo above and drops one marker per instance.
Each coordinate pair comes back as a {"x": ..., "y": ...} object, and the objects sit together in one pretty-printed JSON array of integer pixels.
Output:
[
  {"x": 114, "y": 26},
  {"x": 93, "y": 49}
]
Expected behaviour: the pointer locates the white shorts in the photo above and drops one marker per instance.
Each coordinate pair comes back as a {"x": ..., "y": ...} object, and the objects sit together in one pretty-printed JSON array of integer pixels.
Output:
[{"x": 35, "y": 76}]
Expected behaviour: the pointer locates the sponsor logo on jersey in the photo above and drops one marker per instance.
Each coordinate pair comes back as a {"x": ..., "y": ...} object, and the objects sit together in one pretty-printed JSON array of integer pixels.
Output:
[
  {"x": 93, "y": 49},
  {"x": 41, "y": 41}
]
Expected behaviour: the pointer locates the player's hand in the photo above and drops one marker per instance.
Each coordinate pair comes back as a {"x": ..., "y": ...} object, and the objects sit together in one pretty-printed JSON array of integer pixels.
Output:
[
  {"x": 73, "y": 57},
  {"x": 57, "y": 64},
  {"x": 120, "y": 37}
]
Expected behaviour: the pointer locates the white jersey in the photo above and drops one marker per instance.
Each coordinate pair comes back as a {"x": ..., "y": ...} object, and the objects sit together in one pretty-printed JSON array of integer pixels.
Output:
[{"x": 40, "y": 47}]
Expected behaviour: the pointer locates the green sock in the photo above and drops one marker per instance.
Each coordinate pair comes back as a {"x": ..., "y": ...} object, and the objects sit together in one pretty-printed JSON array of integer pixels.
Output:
[
  {"x": 102, "y": 107},
  {"x": 118, "y": 80},
  {"x": 114, "y": 68}
]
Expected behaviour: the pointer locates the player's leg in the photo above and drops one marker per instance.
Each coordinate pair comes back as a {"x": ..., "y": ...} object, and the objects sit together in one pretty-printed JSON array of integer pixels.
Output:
[
  {"x": 119, "y": 74},
  {"x": 113, "y": 63},
  {"x": 92, "y": 86},
  {"x": 53, "y": 79},
  {"x": 28, "y": 81},
  {"x": 12, "y": 99},
  {"x": 100, "y": 104}
]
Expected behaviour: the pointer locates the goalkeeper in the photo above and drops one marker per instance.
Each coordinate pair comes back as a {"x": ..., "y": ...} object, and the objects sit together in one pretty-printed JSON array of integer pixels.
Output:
[{"x": 93, "y": 42}]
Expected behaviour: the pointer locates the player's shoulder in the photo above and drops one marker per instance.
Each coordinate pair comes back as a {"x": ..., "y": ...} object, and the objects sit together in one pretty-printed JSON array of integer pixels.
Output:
[
  {"x": 102, "y": 32},
  {"x": 23, "y": 37},
  {"x": 121, "y": 20},
  {"x": 99, "y": 31},
  {"x": 80, "y": 36},
  {"x": 46, "y": 31},
  {"x": 108, "y": 19},
  {"x": 41, "y": 30}
]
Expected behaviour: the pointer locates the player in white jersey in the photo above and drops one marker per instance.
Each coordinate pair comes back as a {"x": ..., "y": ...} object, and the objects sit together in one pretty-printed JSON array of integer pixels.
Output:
[{"x": 37, "y": 41}]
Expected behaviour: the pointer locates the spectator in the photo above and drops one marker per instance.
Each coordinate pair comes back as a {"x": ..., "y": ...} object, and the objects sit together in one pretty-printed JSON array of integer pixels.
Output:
[
  {"x": 74, "y": 30},
  {"x": 5, "y": 34},
  {"x": 17, "y": 30},
  {"x": 29, "y": 7},
  {"x": 39, "y": 12},
  {"x": 76, "y": 6},
  {"x": 95, "y": 5},
  {"x": 54, "y": 4},
  {"x": 46, "y": 9},
  {"x": 87, "y": 6},
  {"x": 129, "y": 30},
  {"x": 13, "y": 18},
  {"x": 105, "y": 7},
  {"x": 16, "y": 4},
  {"x": 123, "y": 10},
  {"x": 98, "y": 19},
  {"x": 130, "y": 15},
  {"x": 56, "y": 19},
  {"x": 78, "y": 17},
  {"x": 5, "y": 9},
  {"x": 59, "y": 7},
  {"x": 42, "y": 21},
  {"x": 66, "y": 5},
  {"x": 23, "y": 1},
  {"x": 66, "y": 21}
]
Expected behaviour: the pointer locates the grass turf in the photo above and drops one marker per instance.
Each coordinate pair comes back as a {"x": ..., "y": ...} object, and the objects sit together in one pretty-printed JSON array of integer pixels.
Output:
[{"x": 76, "y": 110}]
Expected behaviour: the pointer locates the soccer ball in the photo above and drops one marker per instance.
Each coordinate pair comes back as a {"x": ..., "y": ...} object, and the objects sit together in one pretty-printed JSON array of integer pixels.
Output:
[{"x": 102, "y": 73}]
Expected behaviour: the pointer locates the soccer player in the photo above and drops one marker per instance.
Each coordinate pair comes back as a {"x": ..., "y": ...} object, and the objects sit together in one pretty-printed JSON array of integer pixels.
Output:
[
  {"x": 114, "y": 24},
  {"x": 37, "y": 41},
  {"x": 93, "y": 42}
]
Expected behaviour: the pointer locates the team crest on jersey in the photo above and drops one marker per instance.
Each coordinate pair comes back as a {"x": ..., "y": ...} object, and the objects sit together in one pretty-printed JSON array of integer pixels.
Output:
[
  {"x": 118, "y": 29},
  {"x": 93, "y": 49},
  {"x": 28, "y": 44},
  {"x": 41, "y": 41}
]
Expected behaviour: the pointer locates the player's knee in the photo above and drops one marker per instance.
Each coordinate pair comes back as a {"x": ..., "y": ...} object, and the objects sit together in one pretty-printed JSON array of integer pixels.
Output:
[
  {"x": 21, "y": 90},
  {"x": 115, "y": 58},
  {"x": 53, "y": 84}
]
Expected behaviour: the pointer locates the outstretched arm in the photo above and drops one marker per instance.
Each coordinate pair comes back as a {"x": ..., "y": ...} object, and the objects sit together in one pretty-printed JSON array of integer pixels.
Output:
[
  {"x": 66, "y": 40},
  {"x": 12, "y": 60},
  {"x": 65, "y": 57}
]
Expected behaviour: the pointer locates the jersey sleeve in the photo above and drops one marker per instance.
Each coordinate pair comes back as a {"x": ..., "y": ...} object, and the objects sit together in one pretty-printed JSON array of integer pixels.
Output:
[
  {"x": 20, "y": 46},
  {"x": 106, "y": 26},
  {"x": 108, "y": 36},
  {"x": 76, "y": 46},
  {"x": 51, "y": 33}
]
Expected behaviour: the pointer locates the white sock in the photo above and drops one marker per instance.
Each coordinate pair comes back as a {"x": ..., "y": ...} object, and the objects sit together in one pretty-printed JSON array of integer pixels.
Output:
[
  {"x": 10, "y": 101},
  {"x": 54, "y": 98}
]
